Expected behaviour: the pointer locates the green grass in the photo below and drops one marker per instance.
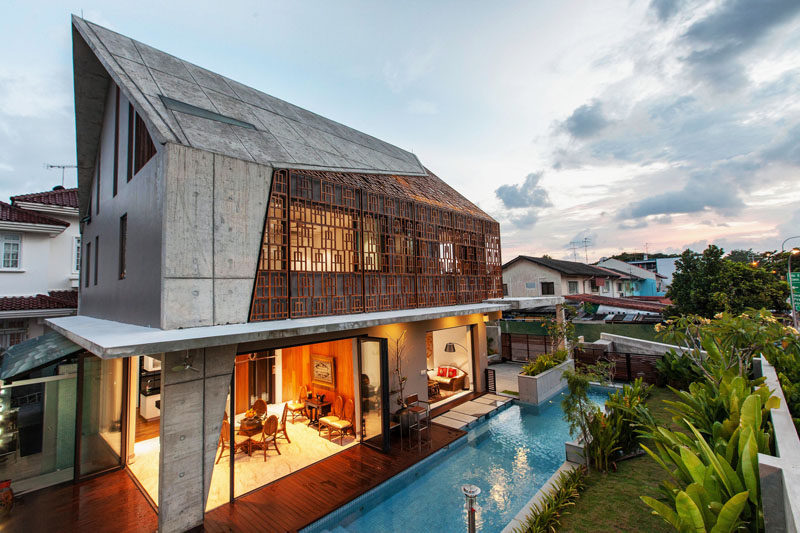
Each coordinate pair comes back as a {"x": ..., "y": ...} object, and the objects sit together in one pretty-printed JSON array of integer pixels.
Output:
[
  {"x": 611, "y": 501},
  {"x": 511, "y": 392}
]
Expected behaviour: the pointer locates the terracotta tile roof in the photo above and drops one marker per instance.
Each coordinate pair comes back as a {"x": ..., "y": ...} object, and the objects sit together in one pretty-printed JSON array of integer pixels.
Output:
[
  {"x": 59, "y": 197},
  {"x": 40, "y": 301},
  {"x": 625, "y": 303},
  {"x": 69, "y": 297},
  {"x": 10, "y": 213}
]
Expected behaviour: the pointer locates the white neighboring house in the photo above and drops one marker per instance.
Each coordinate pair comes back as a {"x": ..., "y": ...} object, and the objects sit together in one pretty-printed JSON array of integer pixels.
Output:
[
  {"x": 526, "y": 276},
  {"x": 40, "y": 264}
]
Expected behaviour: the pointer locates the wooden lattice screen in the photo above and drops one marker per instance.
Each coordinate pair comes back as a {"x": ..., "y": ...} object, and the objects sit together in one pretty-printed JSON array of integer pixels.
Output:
[{"x": 337, "y": 243}]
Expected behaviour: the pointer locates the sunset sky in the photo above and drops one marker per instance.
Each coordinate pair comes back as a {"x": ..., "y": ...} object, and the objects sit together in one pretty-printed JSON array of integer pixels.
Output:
[{"x": 664, "y": 123}]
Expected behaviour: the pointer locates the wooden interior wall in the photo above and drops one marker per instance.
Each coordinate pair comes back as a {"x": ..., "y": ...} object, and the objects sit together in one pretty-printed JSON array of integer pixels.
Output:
[
  {"x": 242, "y": 383},
  {"x": 296, "y": 369}
]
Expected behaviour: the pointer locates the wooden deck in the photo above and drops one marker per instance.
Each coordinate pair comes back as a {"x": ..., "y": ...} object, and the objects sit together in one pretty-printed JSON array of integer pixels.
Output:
[
  {"x": 108, "y": 503},
  {"x": 297, "y": 500}
]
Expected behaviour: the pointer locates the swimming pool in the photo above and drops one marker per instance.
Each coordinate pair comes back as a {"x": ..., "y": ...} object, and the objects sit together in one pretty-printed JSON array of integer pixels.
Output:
[{"x": 509, "y": 456}]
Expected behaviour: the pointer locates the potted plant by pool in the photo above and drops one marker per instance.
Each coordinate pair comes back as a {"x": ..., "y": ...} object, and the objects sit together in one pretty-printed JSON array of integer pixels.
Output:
[{"x": 543, "y": 378}]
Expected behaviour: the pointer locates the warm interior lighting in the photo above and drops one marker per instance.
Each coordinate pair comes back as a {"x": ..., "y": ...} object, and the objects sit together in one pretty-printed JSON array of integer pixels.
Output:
[{"x": 795, "y": 251}]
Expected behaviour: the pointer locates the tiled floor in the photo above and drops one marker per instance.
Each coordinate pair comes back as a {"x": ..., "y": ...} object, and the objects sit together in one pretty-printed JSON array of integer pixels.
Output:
[{"x": 468, "y": 412}]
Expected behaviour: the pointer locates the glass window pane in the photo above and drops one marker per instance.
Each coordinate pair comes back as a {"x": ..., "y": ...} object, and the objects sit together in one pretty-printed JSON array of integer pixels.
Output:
[{"x": 101, "y": 423}]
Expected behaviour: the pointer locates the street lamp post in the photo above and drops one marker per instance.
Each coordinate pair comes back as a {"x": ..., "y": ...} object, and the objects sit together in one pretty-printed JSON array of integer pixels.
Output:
[{"x": 789, "y": 276}]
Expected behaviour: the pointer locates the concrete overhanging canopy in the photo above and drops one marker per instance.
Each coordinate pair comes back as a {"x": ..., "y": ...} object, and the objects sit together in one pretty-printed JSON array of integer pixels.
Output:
[
  {"x": 109, "y": 339},
  {"x": 536, "y": 302}
]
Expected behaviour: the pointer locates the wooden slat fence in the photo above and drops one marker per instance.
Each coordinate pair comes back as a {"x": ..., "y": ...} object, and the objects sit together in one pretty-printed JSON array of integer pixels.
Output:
[
  {"x": 524, "y": 347},
  {"x": 628, "y": 366}
]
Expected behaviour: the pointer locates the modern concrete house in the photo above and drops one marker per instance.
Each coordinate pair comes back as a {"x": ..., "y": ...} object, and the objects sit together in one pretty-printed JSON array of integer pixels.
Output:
[
  {"x": 241, "y": 258},
  {"x": 526, "y": 276},
  {"x": 645, "y": 282}
]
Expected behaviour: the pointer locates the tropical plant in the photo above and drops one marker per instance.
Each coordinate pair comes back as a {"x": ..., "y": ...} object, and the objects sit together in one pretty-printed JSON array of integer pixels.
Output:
[
  {"x": 676, "y": 370},
  {"x": 397, "y": 346},
  {"x": 544, "y": 362},
  {"x": 562, "y": 335},
  {"x": 625, "y": 404},
  {"x": 578, "y": 408},
  {"x": 544, "y": 516},
  {"x": 604, "y": 438}
]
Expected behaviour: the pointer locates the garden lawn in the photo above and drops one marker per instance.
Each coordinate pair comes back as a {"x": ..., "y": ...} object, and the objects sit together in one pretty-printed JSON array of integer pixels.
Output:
[{"x": 610, "y": 502}]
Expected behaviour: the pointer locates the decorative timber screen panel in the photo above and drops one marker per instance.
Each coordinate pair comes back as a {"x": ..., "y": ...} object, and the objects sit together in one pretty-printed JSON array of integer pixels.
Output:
[{"x": 340, "y": 243}]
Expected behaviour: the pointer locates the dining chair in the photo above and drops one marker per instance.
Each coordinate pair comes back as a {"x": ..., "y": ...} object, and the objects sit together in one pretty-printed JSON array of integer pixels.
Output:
[
  {"x": 335, "y": 415},
  {"x": 344, "y": 424},
  {"x": 268, "y": 436},
  {"x": 298, "y": 407},
  {"x": 240, "y": 441},
  {"x": 260, "y": 407},
  {"x": 282, "y": 426}
]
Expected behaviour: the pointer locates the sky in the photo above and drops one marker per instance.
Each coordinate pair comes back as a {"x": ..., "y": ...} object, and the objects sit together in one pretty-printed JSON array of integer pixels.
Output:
[{"x": 654, "y": 125}]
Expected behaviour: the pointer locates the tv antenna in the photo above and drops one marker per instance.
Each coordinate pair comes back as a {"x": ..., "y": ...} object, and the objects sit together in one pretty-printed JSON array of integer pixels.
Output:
[
  {"x": 63, "y": 168},
  {"x": 574, "y": 247},
  {"x": 586, "y": 243}
]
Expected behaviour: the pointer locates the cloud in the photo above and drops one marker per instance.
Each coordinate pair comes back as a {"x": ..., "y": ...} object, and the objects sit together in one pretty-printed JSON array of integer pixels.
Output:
[
  {"x": 525, "y": 195},
  {"x": 526, "y": 220},
  {"x": 735, "y": 27},
  {"x": 586, "y": 121},
  {"x": 422, "y": 107},
  {"x": 635, "y": 224},
  {"x": 696, "y": 196},
  {"x": 665, "y": 9}
]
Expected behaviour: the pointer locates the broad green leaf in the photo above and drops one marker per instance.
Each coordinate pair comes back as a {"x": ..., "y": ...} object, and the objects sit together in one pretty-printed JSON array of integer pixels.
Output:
[
  {"x": 689, "y": 514},
  {"x": 693, "y": 465},
  {"x": 750, "y": 414},
  {"x": 728, "y": 516},
  {"x": 663, "y": 511},
  {"x": 700, "y": 497},
  {"x": 749, "y": 462}
]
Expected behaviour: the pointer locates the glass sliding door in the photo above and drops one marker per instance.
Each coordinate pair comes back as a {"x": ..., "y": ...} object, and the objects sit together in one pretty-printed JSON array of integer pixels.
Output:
[
  {"x": 103, "y": 385},
  {"x": 373, "y": 362}
]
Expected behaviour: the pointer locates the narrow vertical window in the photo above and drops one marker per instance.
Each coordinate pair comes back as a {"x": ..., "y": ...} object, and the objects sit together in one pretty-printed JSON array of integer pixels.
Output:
[
  {"x": 144, "y": 148},
  {"x": 97, "y": 183},
  {"x": 88, "y": 264},
  {"x": 96, "y": 257},
  {"x": 116, "y": 143},
  {"x": 76, "y": 255},
  {"x": 129, "y": 159},
  {"x": 12, "y": 246},
  {"x": 123, "y": 237}
]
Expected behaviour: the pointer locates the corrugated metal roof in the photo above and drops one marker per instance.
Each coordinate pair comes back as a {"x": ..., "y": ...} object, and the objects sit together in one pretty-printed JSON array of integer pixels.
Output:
[{"x": 35, "y": 353}]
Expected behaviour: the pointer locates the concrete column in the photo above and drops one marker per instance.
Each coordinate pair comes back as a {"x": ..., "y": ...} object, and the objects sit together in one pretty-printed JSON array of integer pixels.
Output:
[{"x": 192, "y": 408}]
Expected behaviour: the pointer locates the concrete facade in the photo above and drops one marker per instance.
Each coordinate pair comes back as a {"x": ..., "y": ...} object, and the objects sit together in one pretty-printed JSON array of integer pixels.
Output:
[{"x": 540, "y": 388}]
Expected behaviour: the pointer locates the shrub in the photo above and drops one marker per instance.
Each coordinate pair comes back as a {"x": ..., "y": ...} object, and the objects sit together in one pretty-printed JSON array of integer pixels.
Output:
[
  {"x": 544, "y": 362},
  {"x": 544, "y": 516},
  {"x": 626, "y": 405},
  {"x": 676, "y": 370}
]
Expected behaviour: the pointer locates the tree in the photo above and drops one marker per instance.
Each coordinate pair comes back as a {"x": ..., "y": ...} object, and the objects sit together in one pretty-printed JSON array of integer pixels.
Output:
[
  {"x": 742, "y": 256},
  {"x": 639, "y": 256},
  {"x": 706, "y": 284}
]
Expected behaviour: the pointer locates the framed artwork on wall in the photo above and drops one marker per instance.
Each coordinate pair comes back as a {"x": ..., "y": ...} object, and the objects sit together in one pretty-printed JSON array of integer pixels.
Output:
[{"x": 323, "y": 371}]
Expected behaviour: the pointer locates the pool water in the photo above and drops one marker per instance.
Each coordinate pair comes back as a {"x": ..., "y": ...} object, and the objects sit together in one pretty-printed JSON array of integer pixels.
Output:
[{"x": 509, "y": 456}]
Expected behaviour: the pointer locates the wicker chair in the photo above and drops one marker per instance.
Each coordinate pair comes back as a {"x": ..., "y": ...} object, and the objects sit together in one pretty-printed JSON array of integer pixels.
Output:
[
  {"x": 335, "y": 415},
  {"x": 269, "y": 435},
  {"x": 298, "y": 408},
  {"x": 240, "y": 441},
  {"x": 344, "y": 424},
  {"x": 260, "y": 407},
  {"x": 282, "y": 426}
]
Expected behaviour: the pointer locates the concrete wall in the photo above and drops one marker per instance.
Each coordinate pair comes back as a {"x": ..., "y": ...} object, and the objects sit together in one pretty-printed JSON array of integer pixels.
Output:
[
  {"x": 192, "y": 409},
  {"x": 135, "y": 299},
  {"x": 214, "y": 214},
  {"x": 538, "y": 389}
]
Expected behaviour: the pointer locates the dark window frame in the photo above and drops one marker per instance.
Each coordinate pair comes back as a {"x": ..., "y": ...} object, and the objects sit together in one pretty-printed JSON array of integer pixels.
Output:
[
  {"x": 123, "y": 243},
  {"x": 116, "y": 144},
  {"x": 88, "y": 265},
  {"x": 129, "y": 164},
  {"x": 548, "y": 288},
  {"x": 96, "y": 256},
  {"x": 143, "y": 146}
]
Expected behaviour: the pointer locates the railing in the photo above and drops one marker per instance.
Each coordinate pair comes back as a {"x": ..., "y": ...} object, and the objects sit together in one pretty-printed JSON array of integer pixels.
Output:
[
  {"x": 627, "y": 365},
  {"x": 491, "y": 380}
]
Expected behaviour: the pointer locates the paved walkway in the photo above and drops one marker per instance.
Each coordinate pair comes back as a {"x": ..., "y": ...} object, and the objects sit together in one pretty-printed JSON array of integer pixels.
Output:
[{"x": 506, "y": 376}]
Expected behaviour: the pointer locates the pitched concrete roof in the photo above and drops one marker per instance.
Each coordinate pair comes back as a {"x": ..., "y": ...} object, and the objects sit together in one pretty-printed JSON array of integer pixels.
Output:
[
  {"x": 570, "y": 268},
  {"x": 186, "y": 104},
  {"x": 58, "y": 197},
  {"x": 10, "y": 213}
]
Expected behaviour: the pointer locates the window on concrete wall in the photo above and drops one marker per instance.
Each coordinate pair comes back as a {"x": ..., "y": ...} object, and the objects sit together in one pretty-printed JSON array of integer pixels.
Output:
[
  {"x": 12, "y": 250},
  {"x": 76, "y": 254},
  {"x": 572, "y": 287},
  {"x": 619, "y": 287},
  {"x": 129, "y": 154},
  {"x": 548, "y": 288},
  {"x": 505, "y": 289},
  {"x": 123, "y": 238},
  {"x": 97, "y": 186},
  {"x": 12, "y": 332},
  {"x": 87, "y": 270},
  {"x": 143, "y": 149},
  {"x": 116, "y": 143},
  {"x": 530, "y": 284},
  {"x": 96, "y": 257}
]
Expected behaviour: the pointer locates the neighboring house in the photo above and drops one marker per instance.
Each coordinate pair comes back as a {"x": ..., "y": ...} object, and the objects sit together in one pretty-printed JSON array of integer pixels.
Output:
[
  {"x": 526, "y": 276},
  {"x": 239, "y": 249},
  {"x": 644, "y": 282},
  {"x": 661, "y": 265},
  {"x": 40, "y": 239}
]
